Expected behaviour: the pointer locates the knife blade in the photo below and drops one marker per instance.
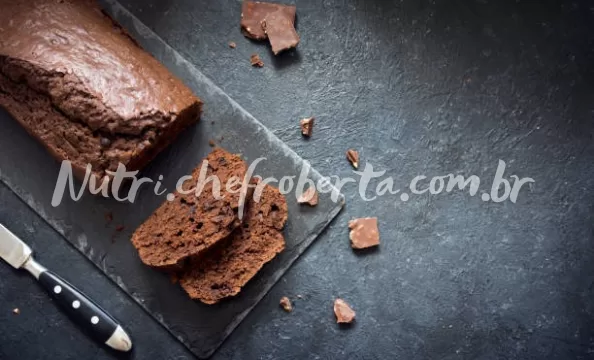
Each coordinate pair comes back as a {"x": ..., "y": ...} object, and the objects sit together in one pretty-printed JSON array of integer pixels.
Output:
[{"x": 81, "y": 309}]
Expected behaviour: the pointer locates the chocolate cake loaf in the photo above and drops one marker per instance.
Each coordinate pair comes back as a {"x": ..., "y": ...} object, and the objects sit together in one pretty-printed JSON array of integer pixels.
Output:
[
  {"x": 79, "y": 84},
  {"x": 190, "y": 224},
  {"x": 223, "y": 271}
]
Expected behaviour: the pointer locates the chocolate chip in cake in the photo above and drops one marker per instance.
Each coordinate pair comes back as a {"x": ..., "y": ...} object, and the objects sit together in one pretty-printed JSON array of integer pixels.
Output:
[
  {"x": 344, "y": 313},
  {"x": 353, "y": 157},
  {"x": 105, "y": 142},
  {"x": 364, "y": 233}
]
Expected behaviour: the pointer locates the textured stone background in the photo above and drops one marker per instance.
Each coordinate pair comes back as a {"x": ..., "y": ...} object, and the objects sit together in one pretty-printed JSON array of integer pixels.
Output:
[{"x": 420, "y": 88}]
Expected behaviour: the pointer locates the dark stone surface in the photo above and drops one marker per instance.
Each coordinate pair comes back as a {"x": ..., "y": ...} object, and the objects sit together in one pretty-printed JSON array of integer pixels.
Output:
[{"x": 420, "y": 88}]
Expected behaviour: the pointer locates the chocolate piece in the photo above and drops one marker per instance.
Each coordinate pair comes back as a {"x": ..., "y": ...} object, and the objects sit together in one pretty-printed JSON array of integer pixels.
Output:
[
  {"x": 344, "y": 313},
  {"x": 79, "y": 84},
  {"x": 190, "y": 225},
  {"x": 256, "y": 61},
  {"x": 222, "y": 272},
  {"x": 285, "y": 303},
  {"x": 232, "y": 45},
  {"x": 353, "y": 157},
  {"x": 364, "y": 233},
  {"x": 275, "y": 22},
  {"x": 307, "y": 126},
  {"x": 309, "y": 196}
]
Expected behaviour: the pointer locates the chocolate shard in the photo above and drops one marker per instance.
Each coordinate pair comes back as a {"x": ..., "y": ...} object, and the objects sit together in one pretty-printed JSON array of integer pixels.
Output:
[
  {"x": 353, "y": 157},
  {"x": 275, "y": 22},
  {"x": 307, "y": 126},
  {"x": 285, "y": 303},
  {"x": 344, "y": 313},
  {"x": 364, "y": 233},
  {"x": 256, "y": 61},
  {"x": 310, "y": 197}
]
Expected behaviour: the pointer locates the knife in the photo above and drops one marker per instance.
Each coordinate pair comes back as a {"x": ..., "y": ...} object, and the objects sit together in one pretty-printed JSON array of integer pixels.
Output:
[{"x": 85, "y": 312}]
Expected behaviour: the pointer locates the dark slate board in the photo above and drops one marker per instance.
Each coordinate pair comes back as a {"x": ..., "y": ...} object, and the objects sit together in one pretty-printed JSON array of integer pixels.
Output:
[{"x": 31, "y": 173}]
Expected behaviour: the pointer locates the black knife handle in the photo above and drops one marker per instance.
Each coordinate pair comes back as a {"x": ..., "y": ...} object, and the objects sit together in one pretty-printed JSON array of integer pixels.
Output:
[{"x": 82, "y": 310}]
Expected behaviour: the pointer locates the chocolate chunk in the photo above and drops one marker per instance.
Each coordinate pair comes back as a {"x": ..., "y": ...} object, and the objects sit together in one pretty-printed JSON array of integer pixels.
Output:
[
  {"x": 364, "y": 233},
  {"x": 256, "y": 61},
  {"x": 232, "y": 45},
  {"x": 310, "y": 196},
  {"x": 353, "y": 157},
  {"x": 105, "y": 142},
  {"x": 307, "y": 126},
  {"x": 344, "y": 313},
  {"x": 285, "y": 303},
  {"x": 275, "y": 22}
]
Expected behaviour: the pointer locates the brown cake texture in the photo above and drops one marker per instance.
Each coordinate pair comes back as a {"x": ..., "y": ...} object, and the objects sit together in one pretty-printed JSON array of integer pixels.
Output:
[
  {"x": 79, "y": 84},
  {"x": 189, "y": 225},
  {"x": 222, "y": 272}
]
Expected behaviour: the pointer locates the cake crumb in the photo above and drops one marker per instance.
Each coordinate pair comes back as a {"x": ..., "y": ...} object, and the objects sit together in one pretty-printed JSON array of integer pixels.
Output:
[
  {"x": 307, "y": 126},
  {"x": 211, "y": 143},
  {"x": 256, "y": 61},
  {"x": 232, "y": 45},
  {"x": 310, "y": 197},
  {"x": 353, "y": 156},
  {"x": 344, "y": 313},
  {"x": 285, "y": 303},
  {"x": 16, "y": 311},
  {"x": 299, "y": 296}
]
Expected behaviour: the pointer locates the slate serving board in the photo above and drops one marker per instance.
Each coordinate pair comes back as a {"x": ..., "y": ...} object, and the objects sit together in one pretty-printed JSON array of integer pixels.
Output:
[{"x": 31, "y": 173}]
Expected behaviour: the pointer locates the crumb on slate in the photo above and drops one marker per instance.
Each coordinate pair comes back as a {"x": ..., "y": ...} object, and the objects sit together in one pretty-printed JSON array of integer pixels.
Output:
[
  {"x": 16, "y": 311},
  {"x": 256, "y": 61},
  {"x": 309, "y": 196},
  {"x": 285, "y": 303},
  {"x": 353, "y": 157},
  {"x": 344, "y": 313},
  {"x": 232, "y": 45},
  {"x": 307, "y": 126}
]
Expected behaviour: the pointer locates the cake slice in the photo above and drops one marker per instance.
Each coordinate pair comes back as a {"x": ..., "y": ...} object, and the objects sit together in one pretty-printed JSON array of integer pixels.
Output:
[
  {"x": 190, "y": 224},
  {"x": 222, "y": 272}
]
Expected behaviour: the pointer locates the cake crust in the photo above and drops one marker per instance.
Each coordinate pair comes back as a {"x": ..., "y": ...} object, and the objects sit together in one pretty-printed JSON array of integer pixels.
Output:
[{"x": 78, "y": 83}]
